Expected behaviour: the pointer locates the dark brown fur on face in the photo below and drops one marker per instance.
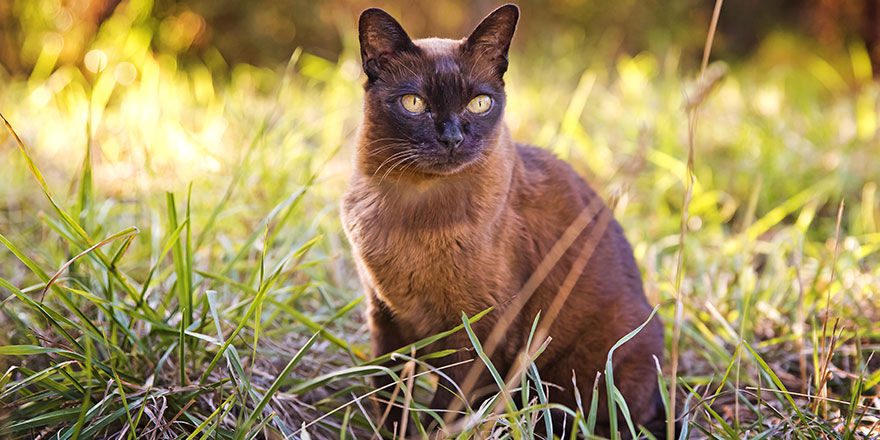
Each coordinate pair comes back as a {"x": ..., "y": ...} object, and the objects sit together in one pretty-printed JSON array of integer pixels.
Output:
[{"x": 437, "y": 231}]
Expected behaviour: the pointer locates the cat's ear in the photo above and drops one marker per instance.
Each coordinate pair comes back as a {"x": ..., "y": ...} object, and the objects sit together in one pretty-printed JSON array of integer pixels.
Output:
[
  {"x": 493, "y": 35},
  {"x": 381, "y": 37}
]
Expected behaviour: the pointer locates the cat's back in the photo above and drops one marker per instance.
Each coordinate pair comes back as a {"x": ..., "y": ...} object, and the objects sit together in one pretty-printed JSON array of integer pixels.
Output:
[{"x": 550, "y": 195}]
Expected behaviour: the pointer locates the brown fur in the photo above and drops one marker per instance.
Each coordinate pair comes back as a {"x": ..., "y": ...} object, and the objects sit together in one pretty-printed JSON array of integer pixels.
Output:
[{"x": 429, "y": 246}]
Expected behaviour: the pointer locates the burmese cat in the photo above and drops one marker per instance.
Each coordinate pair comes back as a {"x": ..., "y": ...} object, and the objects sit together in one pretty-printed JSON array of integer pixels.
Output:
[{"x": 446, "y": 214}]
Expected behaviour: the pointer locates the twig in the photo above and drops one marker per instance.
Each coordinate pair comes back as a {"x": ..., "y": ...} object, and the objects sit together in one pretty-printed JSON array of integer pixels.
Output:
[
  {"x": 679, "y": 305},
  {"x": 822, "y": 378}
]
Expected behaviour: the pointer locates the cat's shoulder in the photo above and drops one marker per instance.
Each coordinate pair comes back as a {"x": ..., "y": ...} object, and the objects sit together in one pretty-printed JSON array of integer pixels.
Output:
[
  {"x": 536, "y": 157},
  {"x": 543, "y": 171},
  {"x": 540, "y": 160}
]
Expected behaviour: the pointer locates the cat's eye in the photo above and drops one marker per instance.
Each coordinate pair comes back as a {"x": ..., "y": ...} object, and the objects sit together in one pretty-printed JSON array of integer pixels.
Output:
[
  {"x": 480, "y": 104},
  {"x": 413, "y": 104}
]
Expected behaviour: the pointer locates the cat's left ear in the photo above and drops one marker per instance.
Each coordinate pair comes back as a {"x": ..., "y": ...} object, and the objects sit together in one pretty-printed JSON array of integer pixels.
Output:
[{"x": 493, "y": 35}]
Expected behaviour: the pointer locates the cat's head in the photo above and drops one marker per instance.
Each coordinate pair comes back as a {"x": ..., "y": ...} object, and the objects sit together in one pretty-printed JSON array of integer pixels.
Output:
[{"x": 432, "y": 106}]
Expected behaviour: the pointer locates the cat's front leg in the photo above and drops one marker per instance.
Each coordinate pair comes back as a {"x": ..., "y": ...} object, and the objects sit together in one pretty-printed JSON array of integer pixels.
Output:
[
  {"x": 386, "y": 335},
  {"x": 464, "y": 382}
]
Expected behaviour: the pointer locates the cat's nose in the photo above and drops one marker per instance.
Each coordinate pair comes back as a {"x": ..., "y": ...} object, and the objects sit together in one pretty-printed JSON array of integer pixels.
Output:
[{"x": 451, "y": 136}]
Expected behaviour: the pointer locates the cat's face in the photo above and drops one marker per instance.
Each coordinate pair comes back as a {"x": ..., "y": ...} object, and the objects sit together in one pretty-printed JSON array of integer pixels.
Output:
[{"x": 432, "y": 106}]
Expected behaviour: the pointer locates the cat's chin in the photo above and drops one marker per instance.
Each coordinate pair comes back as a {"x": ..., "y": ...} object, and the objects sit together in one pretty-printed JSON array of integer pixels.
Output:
[{"x": 446, "y": 165}]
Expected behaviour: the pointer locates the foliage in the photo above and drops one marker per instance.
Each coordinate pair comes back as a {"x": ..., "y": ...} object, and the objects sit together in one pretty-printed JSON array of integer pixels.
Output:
[{"x": 205, "y": 287}]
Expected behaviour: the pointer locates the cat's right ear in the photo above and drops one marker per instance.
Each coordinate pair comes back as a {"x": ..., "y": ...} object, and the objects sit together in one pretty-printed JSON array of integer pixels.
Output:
[
  {"x": 491, "y": 39},
  {"x": 381, "y": 38}
]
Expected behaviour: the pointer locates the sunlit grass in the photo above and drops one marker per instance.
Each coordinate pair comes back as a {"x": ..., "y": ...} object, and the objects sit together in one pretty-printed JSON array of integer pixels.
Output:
[{"x": 233, "y": 307}]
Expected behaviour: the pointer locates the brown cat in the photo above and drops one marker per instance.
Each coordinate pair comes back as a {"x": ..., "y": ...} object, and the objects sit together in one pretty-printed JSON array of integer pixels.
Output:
[{"x": 446, "y": 214}]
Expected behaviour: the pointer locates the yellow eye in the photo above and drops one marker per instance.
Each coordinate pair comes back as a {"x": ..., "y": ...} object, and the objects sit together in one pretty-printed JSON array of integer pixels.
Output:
[
  {"x": 480, "y": 104},
  {"x": 413, "y": 103}
]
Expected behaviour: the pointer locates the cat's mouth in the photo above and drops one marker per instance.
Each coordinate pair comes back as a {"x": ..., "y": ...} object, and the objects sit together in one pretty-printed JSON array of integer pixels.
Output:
[{"x": 446, "y": 163}]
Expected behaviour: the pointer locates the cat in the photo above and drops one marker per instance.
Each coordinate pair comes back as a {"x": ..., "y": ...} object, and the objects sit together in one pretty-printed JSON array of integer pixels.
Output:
[{"x": 447, "y": 215}]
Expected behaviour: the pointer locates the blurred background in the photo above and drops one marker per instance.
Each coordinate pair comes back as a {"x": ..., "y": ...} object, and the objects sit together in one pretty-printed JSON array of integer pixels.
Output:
[
  {"x": 185, "y": 83},
  {"x": 265, "y": 32},
  {"x": 202, "y": 52}
]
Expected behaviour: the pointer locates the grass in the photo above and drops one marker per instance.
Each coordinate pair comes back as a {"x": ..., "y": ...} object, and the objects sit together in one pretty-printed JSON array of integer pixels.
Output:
[{"x": 172, "y": 263}]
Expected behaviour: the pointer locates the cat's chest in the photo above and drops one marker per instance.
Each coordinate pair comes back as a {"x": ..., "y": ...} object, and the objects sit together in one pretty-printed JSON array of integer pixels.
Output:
[
  {"x": 409, "y": 237},
  {"x": 424, "y": 277},
  {"x": 403, "y": 258},
  {"x": 428, "y": 271}
]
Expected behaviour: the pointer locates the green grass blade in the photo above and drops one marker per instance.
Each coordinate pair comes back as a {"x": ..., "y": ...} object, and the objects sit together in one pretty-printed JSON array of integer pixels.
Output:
[
  {"x": 594, "y": 408},
  {"x": 358, "y": 371},
  {"x": 32, "y": 378},
  {"x": 242, "y": 323},
  {"x": 502, "y": 386},
  {"x": 664, "y": 390},
  {"x": 181, "y": 352},
  {"x": 615, "y": 399},
  {"x": 86, "y": 404},
  {"x": 778, "y": 383},
  {"x": 315, "y": 327},
  {"x": 129, "y": 232},
  {"x": 204, "y": 424},
  {"x": 258, "y": 409},
  {"x": 47, "y": 419},
  {"x": 426, "y": 341},
  {"x": 42, "y": 183},
  {"x": 183, "y": 275},
  {"x": 169, "y": 244}
]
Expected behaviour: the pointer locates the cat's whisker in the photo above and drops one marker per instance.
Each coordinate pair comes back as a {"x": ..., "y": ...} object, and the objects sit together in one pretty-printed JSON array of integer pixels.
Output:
[
  {"x": 405, "y": 167},
  {"x": 385, "y": 148},
  {"x": 391, "y": 168},
  {"x": 401, "y": 162},
  {"x": 389, "y": 159},
  {"x": 375, "y": 141}
]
